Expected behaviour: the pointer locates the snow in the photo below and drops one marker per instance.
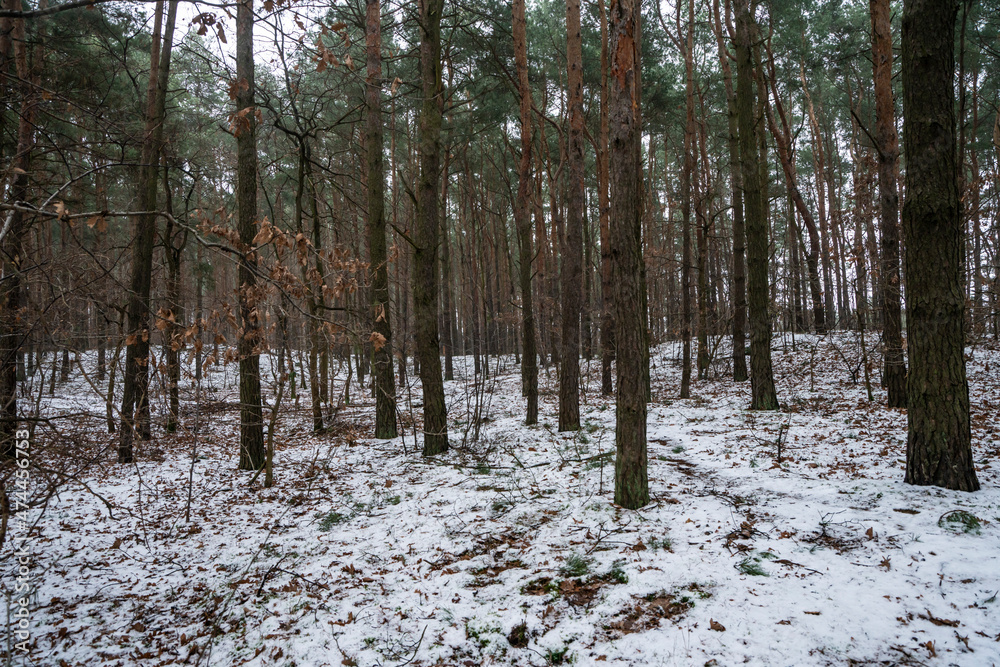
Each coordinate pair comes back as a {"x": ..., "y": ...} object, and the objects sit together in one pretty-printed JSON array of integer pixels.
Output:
[{"x": 365, "y": 553}]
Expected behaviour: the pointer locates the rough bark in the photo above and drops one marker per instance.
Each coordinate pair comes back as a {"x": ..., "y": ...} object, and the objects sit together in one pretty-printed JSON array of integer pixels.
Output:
[
  {"x": 888, "y": 173},
  {"x": 572, "y": 251},
  {"x": 385, "y": 382},
  {"x": 687, "y": 193},
  {"x": 425, "y": 254},
  {"x": 739, "y": 278},
  {"x": 252, "y": 452},
  {"x": 938, "y": 449},
  {"x": 604, "y": 206},
  {"x": 631, "y": 479},
  {"x": 522, "y": 219},
  {"x": 763, "y": 393}
]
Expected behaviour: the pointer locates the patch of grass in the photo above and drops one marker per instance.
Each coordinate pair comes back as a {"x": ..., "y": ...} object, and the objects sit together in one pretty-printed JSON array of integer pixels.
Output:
[
  {"x": 500, "y": 505},
  {"x": 678, "y": 449},
  {"x": 330, "y": 519},
  {"x": 576, "y": 565},
  {"x": 616, "y": 574},
  {"x": 664, "y": 543},
  {"x": 480, "y": 633},
  {"x": 558, "y": 656},
  {"x": 960, "y": 520},
  {"x": 483, "y": 469}
]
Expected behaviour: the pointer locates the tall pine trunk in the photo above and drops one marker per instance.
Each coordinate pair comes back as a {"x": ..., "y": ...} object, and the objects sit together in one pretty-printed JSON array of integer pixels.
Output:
[
  {"x": 938, "y": 448},
  {"x": 739, "y": 277},
  {"x": 888, "y": 170},
  {"x": 604, "y": 206},
  {"x": 252, "y": 455},
  {"x": 631, "y": 478},
  {"x": 385, "y": 385},
  {"x": 425, "y": 263},
  {"x": 522, "y": 218},
  {"x": 572, "y": 255},
  {"x": 763, "y": 394}
]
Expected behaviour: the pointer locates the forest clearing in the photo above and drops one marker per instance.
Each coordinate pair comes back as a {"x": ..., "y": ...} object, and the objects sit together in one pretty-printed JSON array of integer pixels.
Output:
[{"x": 510, "y": 550}]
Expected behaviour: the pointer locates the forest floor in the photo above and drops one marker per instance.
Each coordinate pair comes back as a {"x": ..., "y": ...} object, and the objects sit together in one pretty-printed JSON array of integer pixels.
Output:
[{"x": 508, "y": 549}]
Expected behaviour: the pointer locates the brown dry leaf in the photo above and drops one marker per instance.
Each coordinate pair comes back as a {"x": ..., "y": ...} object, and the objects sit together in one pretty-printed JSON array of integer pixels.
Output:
[
  {"x": 939, "y": 621},
  {"x": 715, "y": 625}
]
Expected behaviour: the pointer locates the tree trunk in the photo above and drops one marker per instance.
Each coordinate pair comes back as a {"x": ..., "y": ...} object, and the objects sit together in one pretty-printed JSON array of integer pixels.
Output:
[
  {"x": 938, "y": 449},
  {"x": 631, "y": 479},
  {"x": 385, "y": 382},
  {"x": 173, "y": 325},
  {"x": 134, "y": 413},
  {"x": 572, "y": 251},
  {"x": 251, "y": 297},
  {"x": 739, "y": 279},
  {"x": 11, "y": 297},
  {"x": 687, "y": 173},
  {"x": 763, "y": 394},
  {"x": 888, "y": 170},
  {"x": 604, "y": 206},
  {"x": 522, "y": 219},
  {"x": 448, "y": 312},
  {"x": 425, "y": 264}
]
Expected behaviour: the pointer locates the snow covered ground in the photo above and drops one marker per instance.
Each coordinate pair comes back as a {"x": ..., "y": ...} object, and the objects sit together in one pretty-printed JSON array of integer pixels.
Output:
[{"x": 508, "y": 550}]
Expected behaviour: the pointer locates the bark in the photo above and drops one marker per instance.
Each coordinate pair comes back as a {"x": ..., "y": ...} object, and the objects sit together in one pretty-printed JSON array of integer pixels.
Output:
[
  {"x": 938, "y": 449},
  {"x": 888, "y": 169},
  {"x": 448, "y": 314},
  {"x": 572, "y": 251},
  {"x": 522, "y": 219},
  {"x": 11, "y": 294},
  {"x": 173, "y": 326},
  {"x": 704, "y": 230},
  {"x": 687, "y": 172},
  {"x": 425, "y": 261},
  {"x": 252, "y": 451},
  {"x": 385, "y": 383},
  {"x": 763, "y": 393},
  {"x": 631, "y": 478},
  {"x": 604, "y": 206},
  {"x": 314, "y": 289},
  {"x": 135, "y": 405},
  {"x": 739, "y": 279}
]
